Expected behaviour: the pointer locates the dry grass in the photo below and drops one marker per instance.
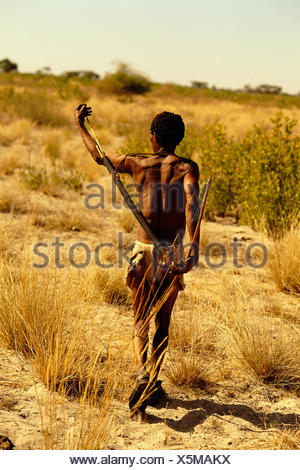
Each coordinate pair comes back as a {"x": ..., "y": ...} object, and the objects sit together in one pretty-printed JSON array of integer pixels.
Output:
[
  {"x": 7, "y": 242},
  {"x": 194, "y": 348},
  {"x": 284, "y": 261},
  {"x": 93, "y": 421},
  {"x": 39, "y": 319},
  {"x": 12, "y": 159},
  {"x": 66, "y": 220},
  {"x": 110, "y": 285},
  {"x": 41, "y": 108},
  {"x": 33, "y": 320},
  {"x": 273, "y": 356},
  {"x": 239, "y": 118},
  {"x": 194, "y": 332},
  {"x": 91, "y": 425},
  {"x": 14, "y": 199},
  {"x": 52, "y": 148},
  {"x": 17, "y": 130},
  {"x": 127, "y": 220},
  {"x": 190, "y": 371},
  {"x": 214, "y": 337},
  {"x": 287, "y": 439}
]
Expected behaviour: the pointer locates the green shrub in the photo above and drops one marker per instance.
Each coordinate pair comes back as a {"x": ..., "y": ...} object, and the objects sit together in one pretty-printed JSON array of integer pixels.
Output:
[
  {"x": 125, "y": 80},
  {"x": 44, "y": 179},
  {"x": 258, "y": 175},
  {"x": 218, "y": 157},
  {"x": 189, "y": 146},
  {"x": 270, "y": 189}
]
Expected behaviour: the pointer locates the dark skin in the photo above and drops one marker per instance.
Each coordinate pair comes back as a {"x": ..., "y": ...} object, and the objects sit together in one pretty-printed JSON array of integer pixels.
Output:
[{"x": 169, "y": 193}]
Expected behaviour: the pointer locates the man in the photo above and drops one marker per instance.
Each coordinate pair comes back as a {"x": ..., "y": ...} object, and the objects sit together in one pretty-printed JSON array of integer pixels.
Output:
[{"x": 168, "y": 186}]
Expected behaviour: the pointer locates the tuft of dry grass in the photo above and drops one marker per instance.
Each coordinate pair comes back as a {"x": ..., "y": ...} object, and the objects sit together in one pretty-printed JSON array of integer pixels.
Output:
[
  {"x": 13, "y": 199},
  {"x": 193, "y": 333},
  {"x": 34, "y": 309},
  {"x": 273, "y": 356},
  {"x": 15, "y": 131},
  {"x": 110, "y": 285},
  {"x": 193, "y": 345},
  {"x": 245, "y": 342},
  {"x": 286, "y": 439},
  {"x": 92, "y": 423},
  {"x": 284, "y": 261},
  {"x": 40, "y": 320},
  {"x": 190, "y": 370}
]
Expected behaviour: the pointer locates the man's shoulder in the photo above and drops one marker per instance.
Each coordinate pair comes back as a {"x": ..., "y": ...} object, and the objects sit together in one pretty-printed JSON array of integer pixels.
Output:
[
  {"x": 130, "y": 161},
  {"x": 138, "y": 157},
  {"x": 189, "y": 166},
  {"x": 139, "y": 154},
  {"x": 184, "y": 165}
]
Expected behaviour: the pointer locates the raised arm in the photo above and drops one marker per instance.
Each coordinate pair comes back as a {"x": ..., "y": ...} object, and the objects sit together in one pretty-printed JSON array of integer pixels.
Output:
[{"x": 80, "y": 114}]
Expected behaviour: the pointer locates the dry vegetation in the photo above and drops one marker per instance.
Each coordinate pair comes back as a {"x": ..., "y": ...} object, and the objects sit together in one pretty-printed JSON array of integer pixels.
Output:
[{"x": 232, "y": 367}]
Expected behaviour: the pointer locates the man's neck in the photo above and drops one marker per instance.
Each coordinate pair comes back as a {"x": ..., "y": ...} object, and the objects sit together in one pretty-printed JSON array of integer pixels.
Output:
[{"x": 167, "y": 151}]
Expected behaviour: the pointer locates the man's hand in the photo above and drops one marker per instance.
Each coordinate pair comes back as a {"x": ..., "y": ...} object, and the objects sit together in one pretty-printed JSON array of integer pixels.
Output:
[
  {"x": 81, "y": 112},
  {"x": 184, "y": 266}
]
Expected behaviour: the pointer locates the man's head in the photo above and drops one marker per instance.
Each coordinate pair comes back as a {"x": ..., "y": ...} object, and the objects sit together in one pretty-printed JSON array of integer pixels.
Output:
[{"x": 167, "y": 131}]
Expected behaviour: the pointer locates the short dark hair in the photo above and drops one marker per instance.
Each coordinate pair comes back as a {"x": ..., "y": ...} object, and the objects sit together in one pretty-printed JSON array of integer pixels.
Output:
[{"x": 168, "y": 129}]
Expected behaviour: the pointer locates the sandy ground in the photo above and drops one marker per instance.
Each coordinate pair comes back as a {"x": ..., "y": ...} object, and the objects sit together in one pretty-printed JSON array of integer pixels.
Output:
[{"x": 236, "y": 417}]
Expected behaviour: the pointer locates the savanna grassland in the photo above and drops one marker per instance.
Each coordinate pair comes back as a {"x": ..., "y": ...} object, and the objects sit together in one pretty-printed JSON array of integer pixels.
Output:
[{"x": 232, "y": 370}]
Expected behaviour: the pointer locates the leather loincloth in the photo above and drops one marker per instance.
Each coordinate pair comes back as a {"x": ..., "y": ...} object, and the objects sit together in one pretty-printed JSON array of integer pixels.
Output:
[{"x": 146, "y": 261}]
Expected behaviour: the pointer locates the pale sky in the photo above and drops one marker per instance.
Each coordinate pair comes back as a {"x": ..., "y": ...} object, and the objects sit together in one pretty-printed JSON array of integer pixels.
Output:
[{"x": 228, "y": 43}]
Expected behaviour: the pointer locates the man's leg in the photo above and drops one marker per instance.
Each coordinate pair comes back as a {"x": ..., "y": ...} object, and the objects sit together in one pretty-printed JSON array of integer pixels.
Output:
[
  {"x": 142, "y": 297},
  {"x": 162, "y": 322},
  {"x": 141, "y": 301}
]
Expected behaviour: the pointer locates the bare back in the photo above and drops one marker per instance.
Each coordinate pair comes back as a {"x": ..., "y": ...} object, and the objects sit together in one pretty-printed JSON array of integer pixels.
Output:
[{"x": 159, "y": 180}]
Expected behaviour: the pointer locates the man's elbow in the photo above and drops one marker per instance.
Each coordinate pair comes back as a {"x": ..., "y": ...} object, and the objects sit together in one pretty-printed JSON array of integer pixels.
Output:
[{"x": 96, "y": 157}]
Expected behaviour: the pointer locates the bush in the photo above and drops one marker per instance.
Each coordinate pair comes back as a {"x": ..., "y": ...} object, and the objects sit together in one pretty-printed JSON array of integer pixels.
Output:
[
  {"x": 124, "y": 81},
  {"x": 219, "y": 157},
  {"x": 7, "y": 66},
  {"x": 82, "y": 74},
  {"x": 258, "y": 175},
  {"x": 199, "y": 85},
  {"x": 270, "y": 187},
  {"x": 48, "y": 180}
]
